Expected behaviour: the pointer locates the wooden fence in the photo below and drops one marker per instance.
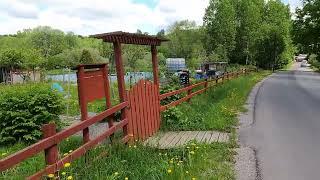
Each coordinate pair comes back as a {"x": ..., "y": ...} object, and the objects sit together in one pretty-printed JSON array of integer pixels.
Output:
[{"x": 143, "y": 120}]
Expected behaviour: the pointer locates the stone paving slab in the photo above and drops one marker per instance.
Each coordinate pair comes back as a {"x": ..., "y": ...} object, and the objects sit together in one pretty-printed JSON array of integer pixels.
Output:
[{"x": 174, "y": 139}]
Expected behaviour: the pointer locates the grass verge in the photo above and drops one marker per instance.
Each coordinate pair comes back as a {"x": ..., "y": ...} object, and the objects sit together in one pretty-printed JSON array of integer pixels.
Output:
[{"x": 214, "y": 110}]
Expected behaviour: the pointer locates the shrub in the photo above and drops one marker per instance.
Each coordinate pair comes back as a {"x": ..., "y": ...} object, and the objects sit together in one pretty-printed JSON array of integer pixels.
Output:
[{"x": 24, "y": 108}]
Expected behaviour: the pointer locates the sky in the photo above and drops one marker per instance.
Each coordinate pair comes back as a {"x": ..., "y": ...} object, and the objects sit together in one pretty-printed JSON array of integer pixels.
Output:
[{"x": 87, "y": 17}]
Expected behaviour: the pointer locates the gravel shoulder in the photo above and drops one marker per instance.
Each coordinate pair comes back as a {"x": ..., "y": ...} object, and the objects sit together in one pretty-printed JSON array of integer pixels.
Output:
[{"x": 246, "y": 165}]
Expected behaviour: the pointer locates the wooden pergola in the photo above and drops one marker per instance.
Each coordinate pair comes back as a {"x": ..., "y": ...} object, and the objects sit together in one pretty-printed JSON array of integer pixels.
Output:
[{"x": 118, "y": 38}]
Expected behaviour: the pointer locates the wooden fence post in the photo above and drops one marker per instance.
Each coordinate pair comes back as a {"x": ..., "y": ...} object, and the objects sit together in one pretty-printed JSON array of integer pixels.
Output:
[
  {"x": 206, "y": 85},
  {"x": 51, "y": 153}
]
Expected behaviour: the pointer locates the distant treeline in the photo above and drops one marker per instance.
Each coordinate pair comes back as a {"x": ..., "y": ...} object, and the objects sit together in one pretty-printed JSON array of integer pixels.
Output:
[{"x": 244, "y": 32}]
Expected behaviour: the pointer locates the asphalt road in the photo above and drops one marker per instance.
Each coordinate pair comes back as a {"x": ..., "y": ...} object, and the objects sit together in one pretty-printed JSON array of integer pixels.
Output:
[{"x": 286, "y": 129}]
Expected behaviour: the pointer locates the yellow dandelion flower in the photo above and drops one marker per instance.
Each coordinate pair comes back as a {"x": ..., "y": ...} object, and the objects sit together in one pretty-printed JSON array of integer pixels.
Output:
[
  {"x": 129, "y": 146},
  {"x": 197, "y": 147},
  {"x": 193, "y": 178},
  {"x": 63, "y": 173},
  {"x": 169, "y": 171},
  {"x": 50, "y": 175},
  {"x": 3, "y": 154},
  {"x": 188, "y": 147},
  {"x": 191, "y": 152},
  {"x": 160, "y": 154},
  {"x": 171, "y": 162},
  {"x": 65, "y": 154},
  {"x": 178, "y": 164},
  {"x": 70, "y": 151},
  {"x": 193, "y": 144},
  {"x": 69, "y": 178},
  {"x": 116, "y": 173},
  {"x": 135, "y": 146},
  {"x": 187, "y": 172},
  {"x": 67, "y": 165},
  {"x": 165, "y": 154},
  {"x": 67, "y": 139},
  {"x": 126, "y": 178},
  {"x": 180, "y": 161}
]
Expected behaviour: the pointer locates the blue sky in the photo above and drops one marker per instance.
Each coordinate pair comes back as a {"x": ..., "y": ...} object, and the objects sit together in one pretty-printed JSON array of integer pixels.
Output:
[{"x": 87, "y": 17}]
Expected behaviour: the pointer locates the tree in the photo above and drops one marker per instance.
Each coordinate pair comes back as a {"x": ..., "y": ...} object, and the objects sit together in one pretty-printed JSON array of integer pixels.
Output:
[
  {"x": 220, "y": 25},
  {"x": 307, "y": 27},
  {"x": 86, "y": 57},
  {"x": 249, "y": 18}
]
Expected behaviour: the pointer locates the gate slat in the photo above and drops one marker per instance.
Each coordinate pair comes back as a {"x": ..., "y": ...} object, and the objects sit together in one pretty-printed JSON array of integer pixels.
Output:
[
  {"x": 136, "y": 98},
  {"x": 148, "y": 88},
  {"x": 157, "y": 107},
  {"x": 133, "y": 113},
  {"x": 152, "y": 121},
  {"x": 141, "y": 112}
]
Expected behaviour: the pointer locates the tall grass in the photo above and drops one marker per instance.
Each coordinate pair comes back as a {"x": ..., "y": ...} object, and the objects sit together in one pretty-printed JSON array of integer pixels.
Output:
[{"x": 216, "y": 109}]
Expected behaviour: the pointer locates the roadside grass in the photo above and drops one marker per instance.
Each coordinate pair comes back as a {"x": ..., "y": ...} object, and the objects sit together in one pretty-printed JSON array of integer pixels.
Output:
[
  {"x": 288, "y": 66},
  {"x": 136, "y": 161},
  {"x": 214, "y": 110}
]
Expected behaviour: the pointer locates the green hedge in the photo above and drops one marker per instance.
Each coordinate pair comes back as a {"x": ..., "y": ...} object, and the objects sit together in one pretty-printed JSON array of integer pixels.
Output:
[{"x": 24, "y": 108}]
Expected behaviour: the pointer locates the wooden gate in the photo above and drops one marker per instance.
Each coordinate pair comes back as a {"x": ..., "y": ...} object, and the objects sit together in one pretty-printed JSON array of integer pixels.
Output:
[{"x": 144, "y": 110}]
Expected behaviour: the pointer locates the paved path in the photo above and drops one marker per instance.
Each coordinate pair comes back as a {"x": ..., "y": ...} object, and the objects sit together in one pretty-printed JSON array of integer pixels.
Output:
[
  {"x": 286, "y": 127},
  {"x": 175, "y": 139}
]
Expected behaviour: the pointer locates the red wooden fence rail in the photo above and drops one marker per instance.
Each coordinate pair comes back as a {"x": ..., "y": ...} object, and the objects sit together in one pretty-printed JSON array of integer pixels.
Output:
[
  {"x": 47, "y": 144},
  {"x": 206, "y": 84}
]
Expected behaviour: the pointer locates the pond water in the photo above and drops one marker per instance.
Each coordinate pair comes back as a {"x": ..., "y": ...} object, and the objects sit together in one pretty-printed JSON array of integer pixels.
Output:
[{"x": 135, "y": 77}]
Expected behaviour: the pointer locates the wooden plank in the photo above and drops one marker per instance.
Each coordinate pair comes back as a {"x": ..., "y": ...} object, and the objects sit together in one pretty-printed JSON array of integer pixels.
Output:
[
  {"x": 182, "y": 141},
  {"x": 148, "y": 107},
  {"x": 152, "y": 108},
  {"x": 172, "y": 136},
  {"x": 177, "y": 138},
  {"x": 199, "y": 136},
  {"x": 132, "y": 116},
  {"x": 192, "y": 136},
  {"x": 138, "y": 110},
  {"x": 164, "y": 138},
  {"x": 214, "y": 137},
  {"x": 143, "y": 114},
  {"x": 157, "y": 107},
  {"x": 206, "y": 137}
]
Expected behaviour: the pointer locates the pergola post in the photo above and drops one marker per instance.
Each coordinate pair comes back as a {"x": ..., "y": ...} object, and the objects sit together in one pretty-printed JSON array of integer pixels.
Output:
[
  {"x": 155, "y": 65},
  {"x": 120, "y": 80}
]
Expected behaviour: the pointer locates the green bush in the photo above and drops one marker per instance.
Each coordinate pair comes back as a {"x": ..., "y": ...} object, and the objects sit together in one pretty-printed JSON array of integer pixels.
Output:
[{"x": 24, "y": 108}]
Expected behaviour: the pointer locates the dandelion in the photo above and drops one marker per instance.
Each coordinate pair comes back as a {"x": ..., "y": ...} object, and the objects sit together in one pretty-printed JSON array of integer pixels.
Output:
[
  {"x": 63, "y": 173},
  {"x": 165, "y": 154},
  {"x": 188, "y": 147},
  {"x": 160, "y": 154},
  {"x": 70, "y": 151},
  {"x": 129, "y": 146},
  {"x": 197, "y": 147},
  {"x": 187, "y": 172},
  {"x": 67, "y": 139},
  {"x": 67, "y": 165},
  {"x": 193, "y": 178},
  {"x": 178, "y": 164},
  {"x": 169, "y": 171},
  {"x": 116, "y": 173},
  {"x": 50, "y": 175},
  {"x": 191, "y": 152},
  {"x": 193, "y": 144},
  {"x": 135, "y": 146},
  {"x": 65, "y": 154},
  {"x": 69, "y": 178},
  {"x": 180, "y": 161},
  {"x": 3, "y": 154},
  {"x": 171, "y": 161},
  {"x": 126, "y": 178}
]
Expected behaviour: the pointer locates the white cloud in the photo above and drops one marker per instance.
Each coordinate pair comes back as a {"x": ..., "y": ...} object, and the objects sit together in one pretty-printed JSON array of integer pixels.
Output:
[{"x": 96, "y": 16}]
